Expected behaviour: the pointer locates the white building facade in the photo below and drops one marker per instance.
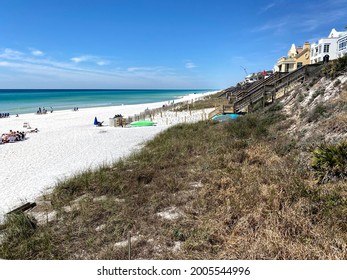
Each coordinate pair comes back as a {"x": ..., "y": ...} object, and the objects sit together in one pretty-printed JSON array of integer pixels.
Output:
[
  {"x": 342, "y": 46},
  {"x": 326, "y": 46}
]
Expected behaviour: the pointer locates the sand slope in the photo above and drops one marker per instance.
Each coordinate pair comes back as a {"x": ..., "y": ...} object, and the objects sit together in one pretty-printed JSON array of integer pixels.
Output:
[{"x": 68, "y": 142}]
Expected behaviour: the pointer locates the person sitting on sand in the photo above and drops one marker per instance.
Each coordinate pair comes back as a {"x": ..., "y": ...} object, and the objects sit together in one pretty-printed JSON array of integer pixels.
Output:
[{"x": 4, "y": 138}]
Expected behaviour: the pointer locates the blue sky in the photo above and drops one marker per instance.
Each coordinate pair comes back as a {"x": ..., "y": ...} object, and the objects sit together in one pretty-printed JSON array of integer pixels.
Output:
[{"x": 176, "y": 44}]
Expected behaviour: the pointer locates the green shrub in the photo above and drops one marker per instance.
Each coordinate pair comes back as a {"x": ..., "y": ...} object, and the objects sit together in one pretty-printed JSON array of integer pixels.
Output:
[
  {"x": 317, "y": 112},
  {"x": 317, "y": 93},
  {"x": 337, "y": 83},
  {"x": 300, "y": 97},
  {"x": 275, "y": 107},
  {"x": 335, "y": 67},
  {"x": 330, "y": 161},
  {"x": 312, "y": 82}
]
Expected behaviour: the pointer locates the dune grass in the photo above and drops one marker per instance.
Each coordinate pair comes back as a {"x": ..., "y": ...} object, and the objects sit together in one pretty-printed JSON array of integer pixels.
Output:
[{"x": 236, "y": 190}]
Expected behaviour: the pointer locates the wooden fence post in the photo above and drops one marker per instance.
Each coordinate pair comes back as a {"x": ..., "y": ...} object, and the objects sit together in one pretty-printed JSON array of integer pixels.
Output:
[{"x": 129, "y": 245}]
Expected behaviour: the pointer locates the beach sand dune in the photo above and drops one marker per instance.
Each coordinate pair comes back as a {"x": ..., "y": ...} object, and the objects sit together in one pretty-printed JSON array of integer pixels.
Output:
[{"x": 67, "y": 143}]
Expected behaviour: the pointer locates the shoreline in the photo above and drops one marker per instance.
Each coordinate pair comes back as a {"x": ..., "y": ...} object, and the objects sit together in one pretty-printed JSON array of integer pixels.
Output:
[
  {"x": 83, "y": 104},
  {"x": 68, "y": 143}
]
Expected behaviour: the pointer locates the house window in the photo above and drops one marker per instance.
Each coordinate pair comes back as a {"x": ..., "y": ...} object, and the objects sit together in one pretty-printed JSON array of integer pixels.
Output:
[
  {"x": 320, "y": 48},
  {"x": 299, "y": 64},
  {"x": 316, "y": 49},
  {"x": 326, "y": 48},
  {"x": 343, "y": 45}
]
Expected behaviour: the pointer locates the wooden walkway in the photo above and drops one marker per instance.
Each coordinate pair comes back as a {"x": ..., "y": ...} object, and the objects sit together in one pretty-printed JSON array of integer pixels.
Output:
[
  {"x": 267, "y": 89},
  {"x": 221, "y": 110}
]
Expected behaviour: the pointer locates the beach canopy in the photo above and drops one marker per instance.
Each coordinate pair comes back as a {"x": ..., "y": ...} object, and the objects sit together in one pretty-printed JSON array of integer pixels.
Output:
[
  {"x": 95, "y": 121},
  {"x": 226, "y": 117},
  {"x": 142, "y": 123}
]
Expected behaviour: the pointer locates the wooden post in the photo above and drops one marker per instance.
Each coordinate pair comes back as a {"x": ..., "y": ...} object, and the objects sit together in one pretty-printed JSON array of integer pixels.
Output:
[
  {"x": 129, "y": 245},
  {"x": 23, "y": 208},
  {"x": 263, "y": 99}
]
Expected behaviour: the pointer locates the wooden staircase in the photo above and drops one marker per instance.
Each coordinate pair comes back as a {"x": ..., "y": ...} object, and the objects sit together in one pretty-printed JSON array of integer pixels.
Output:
[
  {"x": 268, "y": 87},
  {"x": 221, "y": 110}
]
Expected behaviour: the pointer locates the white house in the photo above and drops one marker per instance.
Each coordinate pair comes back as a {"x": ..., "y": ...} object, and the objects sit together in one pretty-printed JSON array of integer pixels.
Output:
[
  {"x": 251, "y": 78},
  {"x": 342, "y": 46},
  {"x": 326, "y": 46}
]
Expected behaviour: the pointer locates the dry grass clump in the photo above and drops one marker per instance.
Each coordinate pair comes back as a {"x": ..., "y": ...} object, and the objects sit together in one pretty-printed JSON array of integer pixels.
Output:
[
  {"x": 209, "y": 102},
  {"x": 235, "y": 190}
]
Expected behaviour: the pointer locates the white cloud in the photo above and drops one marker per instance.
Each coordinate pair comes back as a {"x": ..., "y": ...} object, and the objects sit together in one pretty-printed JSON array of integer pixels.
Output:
[
  {"x": 11, "y": 54},
  {"x": 4, "y": 63},
  {"x": 267, "y": 7},
  {"x": 37, "y": 52},
  {"x": 90, "y": 58},
  {"x": 317, "y": 14},
  {"x": 102, "y": 62},
  {"x": 28, "y": 71},
  {"x": 141, "y": 69},
  {"x": 81, "y": 58},
  {"x": 190, "y": 65},
  {"x": 276, "y": 26}
]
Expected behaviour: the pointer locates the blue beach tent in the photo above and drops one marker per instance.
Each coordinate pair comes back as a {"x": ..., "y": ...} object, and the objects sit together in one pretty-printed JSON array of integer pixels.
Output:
[{"x": 95, "y": 121}]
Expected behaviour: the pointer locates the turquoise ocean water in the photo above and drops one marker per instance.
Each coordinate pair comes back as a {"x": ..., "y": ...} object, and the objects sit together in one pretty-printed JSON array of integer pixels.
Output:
[{"x": 28, "y": 101}]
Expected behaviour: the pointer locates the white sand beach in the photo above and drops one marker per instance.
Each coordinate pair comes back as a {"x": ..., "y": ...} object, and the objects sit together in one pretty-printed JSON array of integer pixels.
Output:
[{"x": 68, "y": 142}]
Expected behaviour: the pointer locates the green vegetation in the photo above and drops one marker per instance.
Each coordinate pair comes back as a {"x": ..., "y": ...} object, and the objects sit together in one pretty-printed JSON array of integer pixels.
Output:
[
  {"x": 337, "y": 83},
  {"x": 245, "y": 189},
  {"x": 312, "y": 82},
  {"x": 317, "y": 93},
  {"x": 320, "y": 110},
  {"x": 330, "y": 161},
  {"x": 239, "y": 190},
  {"x": 335, "y": 67},
  {"x": 28, "y": 240}
]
